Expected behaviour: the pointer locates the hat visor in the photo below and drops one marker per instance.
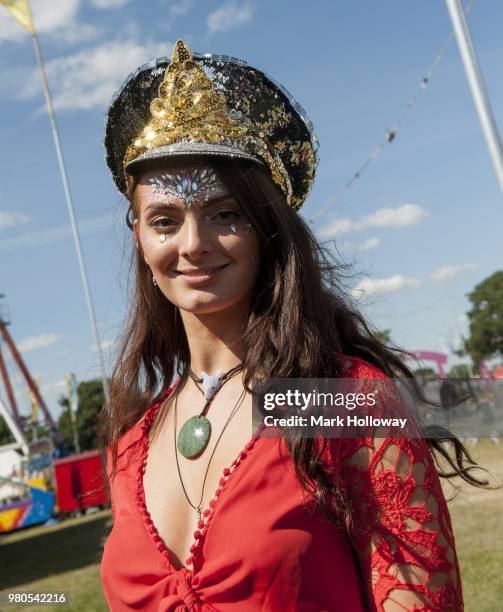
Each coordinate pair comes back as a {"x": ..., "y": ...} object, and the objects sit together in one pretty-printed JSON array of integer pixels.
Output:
[{"x": 180, "y": 149}]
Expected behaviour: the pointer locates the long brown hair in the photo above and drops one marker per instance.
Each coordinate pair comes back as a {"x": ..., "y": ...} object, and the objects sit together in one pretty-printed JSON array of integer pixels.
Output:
[{"x": 301, "y": 324}]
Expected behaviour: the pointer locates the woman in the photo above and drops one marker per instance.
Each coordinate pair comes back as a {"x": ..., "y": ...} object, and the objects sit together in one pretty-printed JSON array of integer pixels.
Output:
[{"x": 232, "y": 287}]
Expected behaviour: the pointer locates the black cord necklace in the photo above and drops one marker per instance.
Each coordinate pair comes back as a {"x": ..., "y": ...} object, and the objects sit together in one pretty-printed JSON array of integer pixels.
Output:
[
  {"x": 195, "y": 432},
  {"x": 198, "y": 508}
]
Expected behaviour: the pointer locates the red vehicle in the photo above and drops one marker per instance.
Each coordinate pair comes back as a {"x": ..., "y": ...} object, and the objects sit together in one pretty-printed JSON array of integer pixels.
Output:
[{"x": 79, "y": 482}]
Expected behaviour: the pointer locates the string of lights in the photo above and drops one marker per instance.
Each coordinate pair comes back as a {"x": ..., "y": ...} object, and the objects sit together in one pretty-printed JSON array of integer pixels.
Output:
[{"x": 392, "y": 132}]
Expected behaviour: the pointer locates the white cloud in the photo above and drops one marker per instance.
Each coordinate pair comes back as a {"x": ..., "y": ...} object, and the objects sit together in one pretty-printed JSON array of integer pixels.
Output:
[
  {"x": 53, "y": 17},
  {"x": 9, "y": 28},
  {"x": 35, "y": 342},
  {"x": 89, "y": 78},
  {"x": 405, "y": 215},
  {"x": 11, "y": 219},
  {"x": 229, "y": 16},
  {"x": 447, "y": 273},
  {"x": 59, "y": 385},
  {"x": 183, "y": 7},
  {"x": 337, "y": 226},
  {"x": 109, "y": 4},
  {"x": 78, "y": 33},
  {"x": 369, "y": 244},
  {"x": 397, "y": 282},
  {"x": 54, "y": 234},
  {"x": 106, "y": 344},
  {"x": 49, "y": 15}
]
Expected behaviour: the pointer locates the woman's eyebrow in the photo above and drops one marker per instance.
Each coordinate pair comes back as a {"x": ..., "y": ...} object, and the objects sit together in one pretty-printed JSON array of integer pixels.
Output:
[{"x": 160, "y": 204}]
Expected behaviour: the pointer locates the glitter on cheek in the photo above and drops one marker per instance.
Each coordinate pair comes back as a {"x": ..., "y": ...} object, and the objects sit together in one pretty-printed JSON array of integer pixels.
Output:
[
  {"x": 151, "y": 240},
  {"x": 247, "y": 227}
]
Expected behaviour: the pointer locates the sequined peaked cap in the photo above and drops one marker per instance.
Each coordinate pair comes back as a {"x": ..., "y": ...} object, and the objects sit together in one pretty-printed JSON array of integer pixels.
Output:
[{"x": 210, "y": 105}]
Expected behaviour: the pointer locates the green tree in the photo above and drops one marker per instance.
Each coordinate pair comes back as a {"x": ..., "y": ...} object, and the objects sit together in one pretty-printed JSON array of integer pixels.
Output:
[
  {"x": 425, "y": 372},
  {"x": 486, "y": 319},
  {"x": 91, "y": 400},
  {"x": 383, "y": 335},
  {"x": 460, "y": 370},
  {"x": 6, "y": 436}
]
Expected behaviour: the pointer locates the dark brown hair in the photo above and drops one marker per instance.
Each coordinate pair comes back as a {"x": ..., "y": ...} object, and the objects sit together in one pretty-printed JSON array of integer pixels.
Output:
[{"x": 301, "y": 325}]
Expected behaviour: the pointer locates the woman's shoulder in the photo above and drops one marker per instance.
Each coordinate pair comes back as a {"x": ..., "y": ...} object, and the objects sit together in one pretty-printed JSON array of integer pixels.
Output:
[{"x": 356, "y": 367}]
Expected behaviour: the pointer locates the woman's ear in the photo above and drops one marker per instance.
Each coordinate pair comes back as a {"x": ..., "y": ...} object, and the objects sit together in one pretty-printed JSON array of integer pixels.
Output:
[{"x": 136, "y": 235}]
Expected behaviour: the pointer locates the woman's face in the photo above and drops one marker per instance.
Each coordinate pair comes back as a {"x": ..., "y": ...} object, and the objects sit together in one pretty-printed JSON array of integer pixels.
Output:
[{"x": 201, "y": 249}]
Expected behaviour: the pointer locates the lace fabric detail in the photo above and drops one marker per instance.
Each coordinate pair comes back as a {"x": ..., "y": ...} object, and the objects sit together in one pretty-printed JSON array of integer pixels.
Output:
[
  {"x": 401, "y": 528},
  {"x": 402, "y": 531}
]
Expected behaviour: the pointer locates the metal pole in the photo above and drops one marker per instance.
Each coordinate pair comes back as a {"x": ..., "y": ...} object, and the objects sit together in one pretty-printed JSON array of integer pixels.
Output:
[
  {"x": 73, "y": 405},
  {"x": 17, "y": 432},
  {"x": 27, "y": 376},
  {"x": 9, "y": 389},
  {"x": 71, "y": 212},
  {"x": 477, "y": 86}
]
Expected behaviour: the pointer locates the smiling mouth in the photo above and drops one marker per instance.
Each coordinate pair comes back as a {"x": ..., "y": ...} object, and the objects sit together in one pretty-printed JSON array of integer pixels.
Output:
[{"x": 201, "y": 271}]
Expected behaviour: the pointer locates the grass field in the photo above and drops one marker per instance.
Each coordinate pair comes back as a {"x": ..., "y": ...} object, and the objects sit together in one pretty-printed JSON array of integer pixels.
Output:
[
  {"x": 66, "y": 556},
  {"x": 477, "y": 518}
]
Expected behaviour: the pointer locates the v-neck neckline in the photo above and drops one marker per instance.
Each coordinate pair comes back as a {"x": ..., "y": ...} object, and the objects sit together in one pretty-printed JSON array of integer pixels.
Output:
[{"x": 206, "y": 515}]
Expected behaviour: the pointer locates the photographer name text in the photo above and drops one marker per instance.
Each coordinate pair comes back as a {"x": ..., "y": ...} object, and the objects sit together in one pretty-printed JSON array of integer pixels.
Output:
[{"x": 336, "y": 421}]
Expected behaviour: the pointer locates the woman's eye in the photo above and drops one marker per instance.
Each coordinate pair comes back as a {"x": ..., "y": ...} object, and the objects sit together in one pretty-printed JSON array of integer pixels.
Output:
[
  {"x": 225, "y": 215},
  {"x": 164, "y": 223}
]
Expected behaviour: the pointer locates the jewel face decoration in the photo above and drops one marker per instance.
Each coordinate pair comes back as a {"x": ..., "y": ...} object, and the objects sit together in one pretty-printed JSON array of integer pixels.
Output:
[{"x": 192, "y": 185}]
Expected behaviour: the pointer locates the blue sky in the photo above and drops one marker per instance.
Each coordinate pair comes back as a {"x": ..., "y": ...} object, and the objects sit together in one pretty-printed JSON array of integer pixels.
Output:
[{"x": 423, "y": 223}]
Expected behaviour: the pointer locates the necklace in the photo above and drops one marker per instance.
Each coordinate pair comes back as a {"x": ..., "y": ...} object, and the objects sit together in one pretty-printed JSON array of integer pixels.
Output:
[
  {"x": 195, "y": 432},
  {"x": 198, "y": 508}
]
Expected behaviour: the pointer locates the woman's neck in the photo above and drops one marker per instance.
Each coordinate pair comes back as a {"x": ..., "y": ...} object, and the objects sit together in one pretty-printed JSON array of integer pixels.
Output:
[{"x": 214, "y": 341}]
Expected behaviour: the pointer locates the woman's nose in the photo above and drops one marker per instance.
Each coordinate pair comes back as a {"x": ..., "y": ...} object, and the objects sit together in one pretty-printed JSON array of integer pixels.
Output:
[{"x": 195, "y": 240}]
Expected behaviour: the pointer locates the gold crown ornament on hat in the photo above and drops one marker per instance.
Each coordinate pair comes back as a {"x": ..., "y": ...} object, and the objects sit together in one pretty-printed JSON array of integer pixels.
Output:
[{"x": 210, "y": 105}]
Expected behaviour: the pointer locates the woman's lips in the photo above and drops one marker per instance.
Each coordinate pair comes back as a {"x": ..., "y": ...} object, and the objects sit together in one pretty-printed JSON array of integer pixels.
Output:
[{"x": 200, "y": 275}]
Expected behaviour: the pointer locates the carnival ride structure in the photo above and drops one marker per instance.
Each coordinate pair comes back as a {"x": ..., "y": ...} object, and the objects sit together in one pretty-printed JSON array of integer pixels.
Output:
[{"x": 33, "y": 485}]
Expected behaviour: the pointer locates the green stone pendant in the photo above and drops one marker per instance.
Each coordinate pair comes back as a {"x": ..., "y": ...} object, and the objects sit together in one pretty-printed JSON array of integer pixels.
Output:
[{"x": 193, "y": 437}]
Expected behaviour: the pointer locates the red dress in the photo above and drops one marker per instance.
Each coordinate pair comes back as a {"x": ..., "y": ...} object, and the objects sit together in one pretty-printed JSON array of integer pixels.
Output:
[{"x": 257, "y": 548}]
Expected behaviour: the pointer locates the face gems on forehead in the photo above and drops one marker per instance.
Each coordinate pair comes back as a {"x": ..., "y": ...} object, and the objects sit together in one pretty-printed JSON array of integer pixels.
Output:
[{"x": 191, "y": 185}]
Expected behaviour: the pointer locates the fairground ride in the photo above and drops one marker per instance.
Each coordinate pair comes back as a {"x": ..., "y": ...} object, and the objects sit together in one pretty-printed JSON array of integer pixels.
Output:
[{"x": 27, "y": 480}]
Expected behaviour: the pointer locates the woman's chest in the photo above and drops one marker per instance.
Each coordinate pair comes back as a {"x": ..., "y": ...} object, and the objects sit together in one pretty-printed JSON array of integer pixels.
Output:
[
  {"x": 261, "y": 541},
  {"x": 179, "y": 491}
]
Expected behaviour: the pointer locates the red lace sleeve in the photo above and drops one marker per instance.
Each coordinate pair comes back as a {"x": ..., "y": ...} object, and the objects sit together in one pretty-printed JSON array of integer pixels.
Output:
[{"x": 401, "y": 531}]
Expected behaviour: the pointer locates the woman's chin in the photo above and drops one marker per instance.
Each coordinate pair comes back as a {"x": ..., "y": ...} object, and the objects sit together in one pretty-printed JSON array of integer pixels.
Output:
[{"x": 205, "y": 304}]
